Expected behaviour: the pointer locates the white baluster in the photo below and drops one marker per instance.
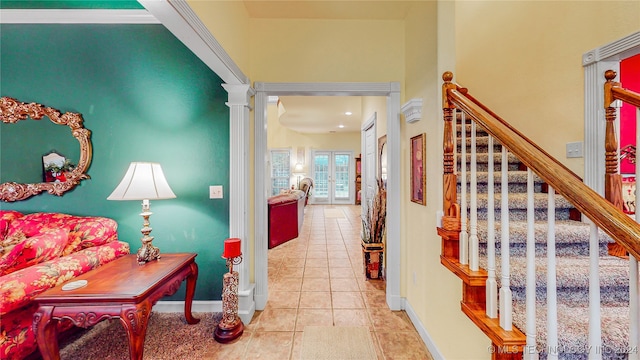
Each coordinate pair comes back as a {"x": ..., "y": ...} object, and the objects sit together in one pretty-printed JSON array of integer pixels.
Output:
[
  {"x": 491, "y": 285},
  {"x": 634, "y": 317},
  {"x": 595, "y": 334},
  {"x": 474, "y": 264},
  {"x": 634, "y": 288},
  {"x": 552, "y": 296},
  {"x": 530, "y": 351},
  {"x": 464, "y": 235},
  {"x": 506, "y": 307}
]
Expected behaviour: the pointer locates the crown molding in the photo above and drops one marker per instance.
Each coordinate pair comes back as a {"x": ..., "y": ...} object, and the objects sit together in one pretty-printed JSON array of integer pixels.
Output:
[
  {"x": 76, "y": 16},
  {"x": 412, "y": 110}
]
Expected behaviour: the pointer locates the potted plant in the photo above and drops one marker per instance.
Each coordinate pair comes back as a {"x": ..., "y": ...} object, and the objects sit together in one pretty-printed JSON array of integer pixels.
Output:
[{"x": 373, "y": 232}]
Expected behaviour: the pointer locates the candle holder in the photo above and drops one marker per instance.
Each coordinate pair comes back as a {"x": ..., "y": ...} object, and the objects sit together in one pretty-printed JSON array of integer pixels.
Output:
[{"x": 231, "y": 326}]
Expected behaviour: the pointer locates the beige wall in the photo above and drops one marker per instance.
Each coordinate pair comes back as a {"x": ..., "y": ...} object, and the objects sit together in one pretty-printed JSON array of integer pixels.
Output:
[
  {"x": 435, "y": 293},
  {"x": 228, "y": 21},
  {"x": 524, "y": 60},
  {"x": 326, "y": 50}
]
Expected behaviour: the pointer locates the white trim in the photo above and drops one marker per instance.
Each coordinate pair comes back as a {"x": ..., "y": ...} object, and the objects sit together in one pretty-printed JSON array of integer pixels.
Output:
[
  {"x": 412, "y": 110},
  {"x": 76, "y": 16},
  {"x": 424, "y": 335},
  {"x": 180, "y": 19},
  {"x": 595, "y": 63},
  {"x": 239, "y": 97},
  {"x": 392, "y": 92},
  {"x": 197, "y": 306}
]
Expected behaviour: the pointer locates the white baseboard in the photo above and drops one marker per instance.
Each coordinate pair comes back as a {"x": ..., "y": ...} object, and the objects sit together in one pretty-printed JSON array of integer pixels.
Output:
[
  {"x": 245, "y": 311},
  {"x": 426, "y": 338},
  {"x": 196, "y": 307}
]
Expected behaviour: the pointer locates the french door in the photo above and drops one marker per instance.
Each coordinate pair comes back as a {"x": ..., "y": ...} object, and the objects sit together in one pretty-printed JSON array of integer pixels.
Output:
[{"x": 333, "y": 177}]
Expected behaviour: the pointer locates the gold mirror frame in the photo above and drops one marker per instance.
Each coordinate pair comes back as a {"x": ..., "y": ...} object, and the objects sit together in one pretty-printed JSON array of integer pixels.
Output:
[{"x": 12, "y": 111}]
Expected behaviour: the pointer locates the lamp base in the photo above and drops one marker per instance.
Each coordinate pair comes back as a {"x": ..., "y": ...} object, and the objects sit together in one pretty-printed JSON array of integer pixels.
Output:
[
  {"x": 148, "y": 252},
  {"x": 225, "y": 335}
]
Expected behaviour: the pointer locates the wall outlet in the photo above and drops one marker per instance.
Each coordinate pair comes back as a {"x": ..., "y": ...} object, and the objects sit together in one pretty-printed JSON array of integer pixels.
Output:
[
  {"x": 215, "y": 192},
  {"x": 574, "y": 149}
]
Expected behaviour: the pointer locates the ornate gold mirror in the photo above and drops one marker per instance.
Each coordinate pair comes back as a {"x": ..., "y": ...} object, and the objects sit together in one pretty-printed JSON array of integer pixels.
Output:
[{"x": 11, "y": 112}]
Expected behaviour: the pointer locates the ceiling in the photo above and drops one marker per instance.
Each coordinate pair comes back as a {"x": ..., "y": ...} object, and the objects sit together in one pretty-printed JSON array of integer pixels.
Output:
[{"x": 321, "y": 114}]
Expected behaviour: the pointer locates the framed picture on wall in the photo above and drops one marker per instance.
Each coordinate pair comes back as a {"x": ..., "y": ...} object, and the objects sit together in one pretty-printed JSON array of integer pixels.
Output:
[{"x": 418, "y": 183}]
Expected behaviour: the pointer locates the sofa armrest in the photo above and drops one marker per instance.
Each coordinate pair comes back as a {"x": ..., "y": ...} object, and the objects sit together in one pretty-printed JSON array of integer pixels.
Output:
[{"x": 20, "y": 287}]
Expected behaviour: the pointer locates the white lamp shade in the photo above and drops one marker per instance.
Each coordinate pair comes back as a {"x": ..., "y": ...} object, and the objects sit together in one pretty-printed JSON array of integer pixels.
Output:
[{"x": 143, "y": 181}]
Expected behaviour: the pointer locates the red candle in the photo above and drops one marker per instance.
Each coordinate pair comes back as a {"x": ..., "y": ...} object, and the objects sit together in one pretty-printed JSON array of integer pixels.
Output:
[{"x": 231, "y": 248}]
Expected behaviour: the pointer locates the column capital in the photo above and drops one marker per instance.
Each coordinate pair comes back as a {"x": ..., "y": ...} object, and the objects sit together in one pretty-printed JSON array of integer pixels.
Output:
[{"x": 239, "y": 94}]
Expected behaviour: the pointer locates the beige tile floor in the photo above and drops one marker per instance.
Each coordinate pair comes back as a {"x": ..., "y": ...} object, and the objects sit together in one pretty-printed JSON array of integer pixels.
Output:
[{"x": 318, "y": 279}]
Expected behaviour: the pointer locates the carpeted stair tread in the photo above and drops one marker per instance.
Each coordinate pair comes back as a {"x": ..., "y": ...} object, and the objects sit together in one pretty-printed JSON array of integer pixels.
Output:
[
  {"x": 518, "y": 201},
  {"x": 567, "y": 232},
  {"x": 573, "y": 337},
  {"x": 512, "y": 177},
  {"x": 571, "y": 272}
]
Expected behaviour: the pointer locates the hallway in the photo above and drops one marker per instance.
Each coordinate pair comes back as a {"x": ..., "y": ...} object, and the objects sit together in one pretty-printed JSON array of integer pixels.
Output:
[{"x": 318, "y": 279}]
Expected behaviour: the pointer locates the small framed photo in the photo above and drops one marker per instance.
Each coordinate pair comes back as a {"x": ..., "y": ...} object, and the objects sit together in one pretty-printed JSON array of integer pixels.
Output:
[{"x": 418, "y": 179}]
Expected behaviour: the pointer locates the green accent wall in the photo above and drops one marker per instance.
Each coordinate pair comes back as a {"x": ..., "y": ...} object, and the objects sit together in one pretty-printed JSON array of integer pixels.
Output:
[
  {"x": 145, "y": 97},
  {"x": 70, "y": 4}
]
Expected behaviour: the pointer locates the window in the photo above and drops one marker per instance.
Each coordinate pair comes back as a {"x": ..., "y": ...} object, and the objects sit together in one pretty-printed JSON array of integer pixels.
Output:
[{"x": 280, "y": 170}]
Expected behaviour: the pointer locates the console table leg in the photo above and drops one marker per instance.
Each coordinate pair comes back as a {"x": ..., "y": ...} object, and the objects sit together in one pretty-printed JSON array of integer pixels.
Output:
[
  {"x": 191, "y": 289},
  {"x": 46, "y": 333}
]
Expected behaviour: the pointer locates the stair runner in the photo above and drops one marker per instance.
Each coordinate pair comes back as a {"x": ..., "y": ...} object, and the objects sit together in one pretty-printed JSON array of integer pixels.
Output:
[{"x": 572, "y": 256}]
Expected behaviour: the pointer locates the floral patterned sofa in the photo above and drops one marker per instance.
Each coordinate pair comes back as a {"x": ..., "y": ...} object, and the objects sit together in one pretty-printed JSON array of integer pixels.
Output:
[{"x": 39, "y": 251}]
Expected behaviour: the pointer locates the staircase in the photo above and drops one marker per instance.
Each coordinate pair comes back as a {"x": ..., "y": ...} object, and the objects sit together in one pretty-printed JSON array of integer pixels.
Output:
[{"x": 572, "y": 256}]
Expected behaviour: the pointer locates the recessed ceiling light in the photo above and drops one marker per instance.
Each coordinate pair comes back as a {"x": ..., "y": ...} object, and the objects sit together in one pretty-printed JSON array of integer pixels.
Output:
[
  {"x": 340, "y": 126},
  {"x": 348, "y": 113}
]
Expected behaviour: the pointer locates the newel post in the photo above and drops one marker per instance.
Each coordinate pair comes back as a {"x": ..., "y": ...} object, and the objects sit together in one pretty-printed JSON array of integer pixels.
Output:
[
  {"x": 612, "y": 179},
  {"x": 449, "y": 177}
]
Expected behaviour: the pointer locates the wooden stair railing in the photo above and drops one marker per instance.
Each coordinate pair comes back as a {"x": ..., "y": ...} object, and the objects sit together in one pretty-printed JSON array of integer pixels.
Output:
[
  {"x": 603, "y": 213},
  {"x": 612, "y": 179}
]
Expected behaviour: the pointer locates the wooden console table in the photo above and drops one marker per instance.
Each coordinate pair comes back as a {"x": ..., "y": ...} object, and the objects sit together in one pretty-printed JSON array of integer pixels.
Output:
[{"x": 121, "y": 289}]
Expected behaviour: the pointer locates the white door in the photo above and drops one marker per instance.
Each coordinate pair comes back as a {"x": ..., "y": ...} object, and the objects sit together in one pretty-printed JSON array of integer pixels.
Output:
[{"x": 332, "y": 177}]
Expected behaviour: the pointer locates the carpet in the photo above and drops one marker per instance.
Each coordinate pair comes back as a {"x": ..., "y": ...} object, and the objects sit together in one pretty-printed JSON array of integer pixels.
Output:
[
  {"x": 168, "y": 337},
  {"x": 337, "y": 343},
  {"x": 333, "y": 213}
]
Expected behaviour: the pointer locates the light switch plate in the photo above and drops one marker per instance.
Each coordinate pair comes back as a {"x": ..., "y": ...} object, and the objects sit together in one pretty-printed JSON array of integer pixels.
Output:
[
  {"x": 215, "y": 192},
  {"x": 574, "y": 149}
]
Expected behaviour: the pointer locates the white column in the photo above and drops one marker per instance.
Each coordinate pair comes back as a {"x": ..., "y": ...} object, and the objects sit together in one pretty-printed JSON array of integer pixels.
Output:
[
  {"x": 239, "y": 104},
  {"x": 393, "y": 268}
]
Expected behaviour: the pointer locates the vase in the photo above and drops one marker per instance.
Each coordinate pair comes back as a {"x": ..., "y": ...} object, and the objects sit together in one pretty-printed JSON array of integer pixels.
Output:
[{"x": 372, "y": 254}]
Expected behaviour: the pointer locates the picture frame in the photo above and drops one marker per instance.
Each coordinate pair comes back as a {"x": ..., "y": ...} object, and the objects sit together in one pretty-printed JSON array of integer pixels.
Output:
[{"x": 418, "y": 178}]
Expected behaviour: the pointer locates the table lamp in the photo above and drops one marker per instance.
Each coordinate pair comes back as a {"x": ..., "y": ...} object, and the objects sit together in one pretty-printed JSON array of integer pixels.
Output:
[
  {"x": 144, "y": 181},
  {"x": 231, "y": 326}
]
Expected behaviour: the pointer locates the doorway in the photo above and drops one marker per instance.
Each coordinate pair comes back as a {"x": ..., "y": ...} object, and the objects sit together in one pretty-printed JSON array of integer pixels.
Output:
[
  {"x": 391, "y": 91},
  {"x": 332, "y": 172}
]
